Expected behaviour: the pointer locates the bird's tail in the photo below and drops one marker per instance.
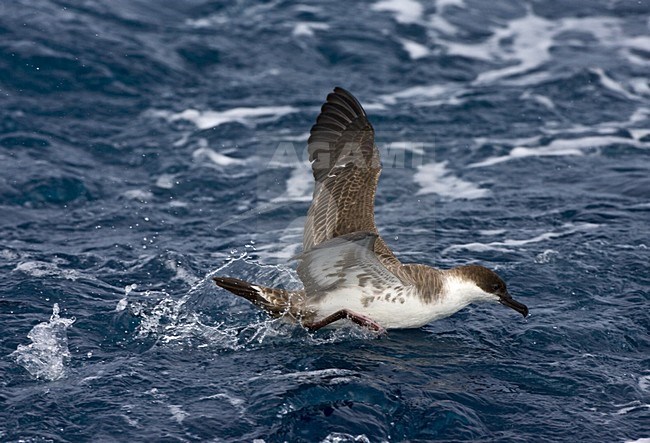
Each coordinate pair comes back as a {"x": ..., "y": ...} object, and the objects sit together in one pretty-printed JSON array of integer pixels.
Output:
[{"x": 277, "y": 302}]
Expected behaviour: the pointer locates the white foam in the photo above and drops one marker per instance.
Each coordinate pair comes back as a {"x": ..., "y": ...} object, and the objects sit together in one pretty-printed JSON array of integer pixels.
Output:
[
  {"x": 414, "y": 49},
  {"x": 46, "y": 357},
  {"x": 491, "y": 231},
  {"x": 211, "y": 119},
  {"x": 639, "y": 43},
  {"x": 8, "y": 254},
  {"x": 504, "y": 245},
  {"x": 635, "y": 405},
  {"x": 640, "y": 85},
  {"x": 435, "y": 178},
  {"x": 638, "y": 134},
  {"x": 640, "y": 440},
  {"x": 178, "y": 413},
  {"x": 306, "y": 29},
  {"x": 416, "y": 93},
  {"x": 546, "y": 256},
  {"x": 530, "y": 46},
  {"x": 438, "y": 23},
  {"x": 644, "y": 382},
  {"x": 210, "y": 21},
  {"x": 524, "y": 44},
  {"x": 138, "y": 194},
  {"x": 374, "y": 106},
  {"x": 310, "y": 376},
  {"x": 541, "y": 99},
  {"x": 443, "y": 4},
  {"x": 405, "y": 11},
  {"x": 560, "y": 147},
  {"x": 612, "y": 84},
  {"x": 44, "y": 269},
  {"x": 215, "y": 157},
  {"x": 234, "y": 401},
  {"x": 638, "y": 117},
  {"x": 166, "y": 181},
  {"x": 300, "y": 185},
  {"x": 342, "y": 437}
]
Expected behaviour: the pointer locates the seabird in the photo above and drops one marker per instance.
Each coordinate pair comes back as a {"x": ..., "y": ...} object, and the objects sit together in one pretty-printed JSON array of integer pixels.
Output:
[{"x": 347, "y": 269}]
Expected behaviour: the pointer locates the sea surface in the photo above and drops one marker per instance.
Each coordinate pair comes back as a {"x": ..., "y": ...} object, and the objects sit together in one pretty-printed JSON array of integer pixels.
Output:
[{"x": 146, "y": 146}]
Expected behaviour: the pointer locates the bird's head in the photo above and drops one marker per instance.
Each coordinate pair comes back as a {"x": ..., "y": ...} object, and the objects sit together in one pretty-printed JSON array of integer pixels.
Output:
[{"x": 484, "y": 284}]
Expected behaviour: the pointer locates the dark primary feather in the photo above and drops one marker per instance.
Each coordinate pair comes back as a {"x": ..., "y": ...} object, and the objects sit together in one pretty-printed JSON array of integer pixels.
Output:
[{"x": 346, "y": 168}]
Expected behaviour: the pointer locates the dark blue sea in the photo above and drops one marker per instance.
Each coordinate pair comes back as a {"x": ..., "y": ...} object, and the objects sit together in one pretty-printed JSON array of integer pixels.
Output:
[{"x": 146, "y": 146}]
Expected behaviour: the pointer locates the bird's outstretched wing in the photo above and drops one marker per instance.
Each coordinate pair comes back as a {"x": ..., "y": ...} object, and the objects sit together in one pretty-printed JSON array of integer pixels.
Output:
[{"x": 346, "y": 169}]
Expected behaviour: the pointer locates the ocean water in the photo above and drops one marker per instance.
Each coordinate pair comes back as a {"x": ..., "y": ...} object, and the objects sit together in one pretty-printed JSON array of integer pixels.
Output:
[{"x": 146, "y": 146}]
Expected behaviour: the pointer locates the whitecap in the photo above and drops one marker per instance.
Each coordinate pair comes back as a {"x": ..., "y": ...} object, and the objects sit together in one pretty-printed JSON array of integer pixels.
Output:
[
  {"x": 178, "y": 413},
  {"x": 342, "y": 437},
  {"x": 213, "y": 20},
  {"x": 630, "y": 45},
  {"x": 166, "y": 181},
  {"x": 633, "y": 406},
  {"x": 415, "y": 50},
  {"x": 560, "y": 147},
  {"x": 215, "y": 157},
  {"x": 524, "y": 44},
  {"x": 318, "y": 375},
  {"x": 438, "y": 23},
  {"x": 417, "y": 93},
  {"x": 531, "y": 38},
  {"x": 306, "y": 29},
  {"x": 435, "y": 178},
  {"x": 139, "y": 195},
  {"x": 404, "y": 11},
  {"x": 211, "y": 119},
  {"x": 44, "y": 269},
  {"x": 443, "y": 4},
  {"x": 507, "y": 244},
  {"x": 541, "y": 99},
  {"x": 644, "y": 383},
  {"x": 299, "y": 185},
  {"x": 546, "y": 256},
  {"x": 47, "y": 356},
  {"x": 489, "y": 232},
  {"x": 612, "y": 84}
]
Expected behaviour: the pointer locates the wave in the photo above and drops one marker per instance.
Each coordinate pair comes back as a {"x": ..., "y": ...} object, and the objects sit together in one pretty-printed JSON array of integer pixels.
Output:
[
  {"x": 507, "y": 244},
  {"x": 211, "y": 119}
]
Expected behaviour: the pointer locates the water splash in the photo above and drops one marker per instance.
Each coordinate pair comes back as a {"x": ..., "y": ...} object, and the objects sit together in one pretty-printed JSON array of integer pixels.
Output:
[
  {"x": 341, "y": 437},
  {"x": 197, "y": 320},
  {"x": 46, "y": 357}
]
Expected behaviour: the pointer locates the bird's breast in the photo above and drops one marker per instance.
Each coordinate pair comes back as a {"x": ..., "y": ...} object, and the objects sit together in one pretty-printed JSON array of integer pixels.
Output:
[{"x": 392, "y": 308}]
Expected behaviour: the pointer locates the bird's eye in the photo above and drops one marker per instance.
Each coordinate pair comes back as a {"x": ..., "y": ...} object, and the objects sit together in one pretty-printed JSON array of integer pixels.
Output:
[{"x": 496, "y": 286}]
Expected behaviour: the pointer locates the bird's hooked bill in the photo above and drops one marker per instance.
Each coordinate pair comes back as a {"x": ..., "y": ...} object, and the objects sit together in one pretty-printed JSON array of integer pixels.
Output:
[{"x": 514, "y": 304}]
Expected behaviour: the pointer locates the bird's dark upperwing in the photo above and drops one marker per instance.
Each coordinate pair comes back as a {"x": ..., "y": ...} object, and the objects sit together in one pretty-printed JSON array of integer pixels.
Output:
[{"x": 346, "y": 169}]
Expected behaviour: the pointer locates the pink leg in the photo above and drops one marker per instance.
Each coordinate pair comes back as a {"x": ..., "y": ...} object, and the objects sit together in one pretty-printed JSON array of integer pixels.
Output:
[{"x": 359, "y": 319}]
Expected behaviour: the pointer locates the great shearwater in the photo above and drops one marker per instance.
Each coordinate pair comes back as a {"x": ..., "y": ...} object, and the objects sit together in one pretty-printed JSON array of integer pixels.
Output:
[{"x": 347, "y": 270}]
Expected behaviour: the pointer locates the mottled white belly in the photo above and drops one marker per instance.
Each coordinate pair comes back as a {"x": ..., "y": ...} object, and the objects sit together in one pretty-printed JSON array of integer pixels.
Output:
[{"x": 391, "y": 311}]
